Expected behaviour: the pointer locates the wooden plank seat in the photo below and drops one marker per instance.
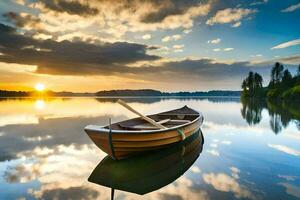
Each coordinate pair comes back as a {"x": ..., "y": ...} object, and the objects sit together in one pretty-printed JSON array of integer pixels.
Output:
[{"x": 147, "y": 126}]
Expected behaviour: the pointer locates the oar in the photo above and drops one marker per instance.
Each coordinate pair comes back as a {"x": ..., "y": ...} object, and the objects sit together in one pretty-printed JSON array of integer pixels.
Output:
[{"x": 151, "y": 121}]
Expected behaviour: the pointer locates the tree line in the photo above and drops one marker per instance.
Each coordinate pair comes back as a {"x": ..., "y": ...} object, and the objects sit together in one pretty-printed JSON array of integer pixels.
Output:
[{"x": 282, "y": 85}]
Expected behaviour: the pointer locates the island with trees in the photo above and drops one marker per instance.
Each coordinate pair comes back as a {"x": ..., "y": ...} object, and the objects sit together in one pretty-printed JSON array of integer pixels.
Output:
[
  {"x": 280, "y": 98},
  {"x": 282, "y": 85}
]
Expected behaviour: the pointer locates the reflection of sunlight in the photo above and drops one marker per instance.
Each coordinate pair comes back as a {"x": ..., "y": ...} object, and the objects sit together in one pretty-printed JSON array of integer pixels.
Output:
[
  {"x": 18, "y": 119},
  {"x": 39, "y": 104}
]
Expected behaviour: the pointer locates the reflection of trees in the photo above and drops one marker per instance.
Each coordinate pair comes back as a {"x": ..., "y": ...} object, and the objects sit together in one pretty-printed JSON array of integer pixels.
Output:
[
  {"x": 251, "y": 110},
  {"x": 281, "y": 112}
]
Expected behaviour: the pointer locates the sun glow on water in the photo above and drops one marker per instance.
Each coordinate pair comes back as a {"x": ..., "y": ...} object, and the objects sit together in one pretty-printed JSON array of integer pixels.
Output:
[{"x": 39, "y": 104}]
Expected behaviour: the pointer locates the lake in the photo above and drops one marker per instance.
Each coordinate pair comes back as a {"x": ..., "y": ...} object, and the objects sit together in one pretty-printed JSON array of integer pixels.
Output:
[{"x": 251, "y": 150}]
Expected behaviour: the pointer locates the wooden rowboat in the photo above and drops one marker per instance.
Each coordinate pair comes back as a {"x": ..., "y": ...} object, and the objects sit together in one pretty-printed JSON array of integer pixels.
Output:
[
  {"x": 146, "y": 173},
  {"x": 127, "y": 138}
]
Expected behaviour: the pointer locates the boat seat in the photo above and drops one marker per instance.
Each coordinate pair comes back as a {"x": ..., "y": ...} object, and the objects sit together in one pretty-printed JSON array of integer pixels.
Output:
[{"x": 147, "y": 126}]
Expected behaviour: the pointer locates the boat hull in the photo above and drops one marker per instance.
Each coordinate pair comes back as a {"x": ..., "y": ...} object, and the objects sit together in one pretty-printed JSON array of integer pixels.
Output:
[
  {"x": 144, "y": 174},
  {"x": 120, "y": 144}
]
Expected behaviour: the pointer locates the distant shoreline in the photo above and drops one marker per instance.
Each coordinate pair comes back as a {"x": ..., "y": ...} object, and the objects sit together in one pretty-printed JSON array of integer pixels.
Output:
[{"x": 125, "y": 94}]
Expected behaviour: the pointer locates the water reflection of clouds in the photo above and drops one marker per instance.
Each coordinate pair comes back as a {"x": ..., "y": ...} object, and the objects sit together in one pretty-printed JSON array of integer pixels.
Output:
[
  {"x": 58, "y": 170},
  {"x": 49, "y": 153},
  {"x": 213, "y": 152},
  {"x": 287, "y": 177},
  {"x": 226, "y": 183},
  {"x": 195, "y": 169},
  {"x": 182, "y": 187},
  {"x": 285, "y": 149},
  {"x": 291, "y": 189}
]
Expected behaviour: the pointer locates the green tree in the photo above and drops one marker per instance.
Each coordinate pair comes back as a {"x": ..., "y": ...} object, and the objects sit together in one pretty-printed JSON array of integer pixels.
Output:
[
  {"x": 252, "y": 85},
  {"x": 258, "y": 80},
  {"x": 276, "y": 74},
  {"x": 287, "y": 79},
  {"x": 250, "y": 82},
  {"x": 244, "y": 85}
]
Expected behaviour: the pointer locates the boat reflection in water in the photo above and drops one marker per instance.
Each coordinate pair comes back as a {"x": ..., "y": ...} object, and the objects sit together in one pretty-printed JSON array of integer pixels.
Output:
[{"x": 149, "y": 172}]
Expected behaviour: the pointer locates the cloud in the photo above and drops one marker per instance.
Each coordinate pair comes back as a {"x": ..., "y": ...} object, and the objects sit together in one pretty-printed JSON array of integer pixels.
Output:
[
  {"x": 287, "y": 44},
  {"x": 230, "y": 15},
  {"x": 258, "y": 2},
  {"x": 71, "y": 7},
  {"x": 178, "y": 47},
  {"x": 214, "y": 41},
  {"x": 112, "y": 59},
  {"x": 285, "y": 149},
  {"x": 115, "y": 18},
  {"x": 146, "y": 36},
  {"x": 21, "y": 19},
  {"x": 256, "y": 55},
  {"x": 171, "y": 38},
  {"x": 228, "y": 49},
  {"x": 291, "y": 60},
  {"x": 188, "y": 9},
  {"x": 225, "y": 49},
  {"x": 68, "y": 57},
  {"x": 291, "y": 8},
  {"x": 187, "y": 31},
  {"x": 237, "y": 24}
]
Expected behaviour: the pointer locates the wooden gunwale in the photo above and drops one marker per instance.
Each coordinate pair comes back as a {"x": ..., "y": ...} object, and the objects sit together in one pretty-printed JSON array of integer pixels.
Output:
[
  {"x": 143, "y": 137},
  {"x": 103, "y": 129}
]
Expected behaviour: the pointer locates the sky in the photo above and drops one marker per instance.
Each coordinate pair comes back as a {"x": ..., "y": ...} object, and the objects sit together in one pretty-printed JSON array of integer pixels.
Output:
[{"x": 171, "y": 45}]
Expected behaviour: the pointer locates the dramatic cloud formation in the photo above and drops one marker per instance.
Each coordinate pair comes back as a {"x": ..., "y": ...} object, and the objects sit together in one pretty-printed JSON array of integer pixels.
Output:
[
  {"x": 115, "y": 18},
  {"x": 133, "y": 41},
  {"x": 291, "y": 8},
  {"x": 230, "y": 15},
  {"x": 67, "y": 57},
  {"x": 287, "y": 44},
  {"x": 21, "y": 19},
  {"x": 71, "y": 7}
]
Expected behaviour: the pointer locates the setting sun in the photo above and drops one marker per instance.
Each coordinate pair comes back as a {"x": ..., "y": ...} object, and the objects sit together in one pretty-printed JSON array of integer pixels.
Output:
[{"x": 39, "y": 87}]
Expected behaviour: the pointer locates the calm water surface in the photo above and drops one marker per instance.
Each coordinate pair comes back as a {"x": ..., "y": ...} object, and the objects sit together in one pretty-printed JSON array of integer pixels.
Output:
[{"x": 251, "y": 150}]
